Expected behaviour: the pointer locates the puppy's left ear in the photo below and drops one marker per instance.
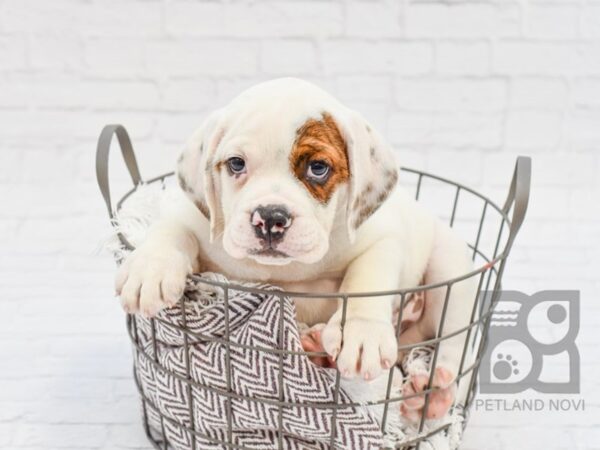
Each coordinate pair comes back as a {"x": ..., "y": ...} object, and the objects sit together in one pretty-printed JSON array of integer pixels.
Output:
[
  {"x": 196, "y": 171},
  {"x": 373, "y": 171}
]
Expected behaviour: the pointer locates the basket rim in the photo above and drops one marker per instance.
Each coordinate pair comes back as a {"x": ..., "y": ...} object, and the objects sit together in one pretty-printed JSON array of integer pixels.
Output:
[{"x": 491, "y": 264}]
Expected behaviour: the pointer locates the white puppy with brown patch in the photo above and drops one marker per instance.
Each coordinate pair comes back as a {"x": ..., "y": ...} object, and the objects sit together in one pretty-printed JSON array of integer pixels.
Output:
[{"x": 289, "y": 186}]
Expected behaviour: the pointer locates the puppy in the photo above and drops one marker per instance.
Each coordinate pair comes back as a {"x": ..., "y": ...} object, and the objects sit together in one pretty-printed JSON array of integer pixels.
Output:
[{"x": 287, "y": 185}]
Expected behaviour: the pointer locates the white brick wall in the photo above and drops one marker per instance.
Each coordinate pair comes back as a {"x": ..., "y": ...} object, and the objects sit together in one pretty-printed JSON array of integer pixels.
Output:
[{"x": 459, "y": 88}]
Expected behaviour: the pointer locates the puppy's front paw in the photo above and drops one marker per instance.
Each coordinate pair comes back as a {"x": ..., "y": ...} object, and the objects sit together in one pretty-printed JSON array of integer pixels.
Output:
[
  {"x": 151, "y": 279},
  {"x": 366, "y": 347}
]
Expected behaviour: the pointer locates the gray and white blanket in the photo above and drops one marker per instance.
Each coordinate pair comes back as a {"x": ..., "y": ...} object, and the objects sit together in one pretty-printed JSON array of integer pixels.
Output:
[{"x": 255, "y": 386}]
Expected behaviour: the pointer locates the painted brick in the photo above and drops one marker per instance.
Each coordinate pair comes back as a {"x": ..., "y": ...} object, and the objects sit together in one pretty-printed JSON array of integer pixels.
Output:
[
  {"x": 458, "y": 88},
  {"x": 110, "y": 56},
  {"x": 374, "y": 19},
  {"x": 364, "y": 87},
  {"x": 452, "y": 130},
  {"x": 481, "y": 19},
  {"x": 262, "y": 19},
  {"x": 284, "y": 19},
  {"x": 550, "y": 21},
  {"x": 219, "y": 57},
  {"x": 56, "y": 52},
  {"x": 288, "y": 57},
  {"x": 451, "y": 95},
  {"x": 140, "y": 18},
  {"x": 586, "y": 93},
  {"x": 557, "y": 58},
  {"x": 461, "y": 58},
  {"x": 533, "y": 130},
  {"x": 56, "y": 17},
  {"x": 538, "y": 93},
  {"x": 12, "y": 52},
  {"x": 590, "y": 18},
  {"x": 190, "y": 95},
  {"x": 365, "y": 57}
]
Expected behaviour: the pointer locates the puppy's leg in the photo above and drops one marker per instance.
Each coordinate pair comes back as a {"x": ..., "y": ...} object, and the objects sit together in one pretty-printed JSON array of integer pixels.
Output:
[
  {"x": 153, "y": 276},
  {"x": 368, "y": 343},
  {"x": 449, "y": 259}
]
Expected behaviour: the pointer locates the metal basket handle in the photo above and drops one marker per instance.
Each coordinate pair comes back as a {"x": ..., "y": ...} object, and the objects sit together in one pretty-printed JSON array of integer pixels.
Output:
[
  {"x": 102, "y": 152},
  {"x": 518, "y": 197}
]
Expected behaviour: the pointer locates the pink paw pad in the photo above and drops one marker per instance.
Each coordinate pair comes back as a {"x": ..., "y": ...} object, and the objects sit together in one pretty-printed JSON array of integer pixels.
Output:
[
  {"x": 440, "y": 399},
  {"x": 311, "y": 342}
]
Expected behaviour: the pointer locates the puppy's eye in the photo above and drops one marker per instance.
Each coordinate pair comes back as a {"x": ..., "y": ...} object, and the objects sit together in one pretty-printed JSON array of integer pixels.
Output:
[
  {"x": 236, "y": 165},
  {"x": 317, "y": 170}
]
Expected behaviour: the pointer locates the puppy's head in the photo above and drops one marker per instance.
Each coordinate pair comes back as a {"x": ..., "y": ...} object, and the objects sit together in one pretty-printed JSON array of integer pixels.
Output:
[{"x": 282, "y": 170}]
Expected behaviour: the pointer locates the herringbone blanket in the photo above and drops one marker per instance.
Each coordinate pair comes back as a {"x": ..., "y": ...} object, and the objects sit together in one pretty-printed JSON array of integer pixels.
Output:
[{"x": 255, "y": 384}]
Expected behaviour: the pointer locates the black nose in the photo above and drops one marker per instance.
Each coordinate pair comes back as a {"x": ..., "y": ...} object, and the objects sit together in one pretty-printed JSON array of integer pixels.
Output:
[{"x": 270, "y": 222}]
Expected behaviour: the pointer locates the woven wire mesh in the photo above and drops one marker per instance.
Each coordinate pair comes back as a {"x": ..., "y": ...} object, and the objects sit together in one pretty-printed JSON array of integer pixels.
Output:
[
  {"x": 485, "y": 226},
  {"x": 488, "y": 238}
]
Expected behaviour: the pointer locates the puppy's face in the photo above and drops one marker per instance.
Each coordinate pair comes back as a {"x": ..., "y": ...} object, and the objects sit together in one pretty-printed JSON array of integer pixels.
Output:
[
  {"x": 279, "y": 197},
  {"x": 283, "y": 170}
]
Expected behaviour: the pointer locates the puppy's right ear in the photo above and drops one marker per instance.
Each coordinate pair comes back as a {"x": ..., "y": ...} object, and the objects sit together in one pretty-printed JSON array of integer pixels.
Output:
[{"x": 195, "y": 171}]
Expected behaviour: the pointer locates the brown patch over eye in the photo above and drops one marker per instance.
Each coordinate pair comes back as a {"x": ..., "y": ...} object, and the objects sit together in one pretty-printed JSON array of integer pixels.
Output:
[{"x": 320, "y": 140}]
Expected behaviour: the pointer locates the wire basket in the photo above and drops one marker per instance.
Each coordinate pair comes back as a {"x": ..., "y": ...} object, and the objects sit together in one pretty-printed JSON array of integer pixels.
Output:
[{"x": 489, "y": 229}]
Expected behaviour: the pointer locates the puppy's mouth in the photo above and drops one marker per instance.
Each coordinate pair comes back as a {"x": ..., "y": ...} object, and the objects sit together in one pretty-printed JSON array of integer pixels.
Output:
[
  {"x": 305, "y": 241},
  {"x": 270, "y": 256},
  {"x": 270, "y": 252}
]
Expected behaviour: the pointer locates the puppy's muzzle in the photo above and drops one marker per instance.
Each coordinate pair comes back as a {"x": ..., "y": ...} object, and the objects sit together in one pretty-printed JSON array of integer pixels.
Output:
[{"x": 270, "y": 223}]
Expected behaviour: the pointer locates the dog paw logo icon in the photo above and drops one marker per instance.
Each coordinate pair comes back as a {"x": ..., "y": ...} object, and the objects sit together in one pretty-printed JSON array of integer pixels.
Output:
[
  {"x": 505, "y": 367},
  {"x": 531, "y": 344}
]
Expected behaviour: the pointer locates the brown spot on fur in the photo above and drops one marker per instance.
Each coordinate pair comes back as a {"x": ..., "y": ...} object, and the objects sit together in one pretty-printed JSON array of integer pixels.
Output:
[
  {"x": 364, "y": 209},
  {"x": 320, "y": 140},
  {"x": 183, "y": 184},
  {"x": 216, "y": 166},
  {"x": 203, "y": 207},
  {"x": 363, "y": 214},
  {"x": 200, "y": 204},
  {"x": 392, "y": 180}
]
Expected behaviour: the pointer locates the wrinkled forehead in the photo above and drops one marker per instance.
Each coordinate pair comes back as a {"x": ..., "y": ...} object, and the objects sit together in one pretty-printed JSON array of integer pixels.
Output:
[
  {"x": 270, "y": 132},
  {"x": 271, "y": 113},
  {"x": 266, "y": 127}
]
